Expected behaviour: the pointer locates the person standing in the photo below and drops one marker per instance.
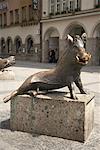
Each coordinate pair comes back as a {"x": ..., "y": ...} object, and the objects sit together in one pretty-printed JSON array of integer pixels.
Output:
[{"x": 52, "y": 58}]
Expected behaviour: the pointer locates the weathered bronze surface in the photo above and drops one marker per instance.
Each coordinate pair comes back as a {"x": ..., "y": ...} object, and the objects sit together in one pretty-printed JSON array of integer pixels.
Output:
[
  {"x": 64, "y": 74},
  {"x": 6, "y": 62}
]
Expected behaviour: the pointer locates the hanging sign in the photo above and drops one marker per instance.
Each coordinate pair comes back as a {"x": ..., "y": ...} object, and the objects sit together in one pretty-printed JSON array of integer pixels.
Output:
[
  {"x": 35, "y": 4},
  {"x": 3, "y": 6}
]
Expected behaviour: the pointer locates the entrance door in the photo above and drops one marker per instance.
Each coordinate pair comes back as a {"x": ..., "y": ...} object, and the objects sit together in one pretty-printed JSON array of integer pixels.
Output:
[
  {"x": 9, "y": 45},
  {"x": 54, "y": 45},
  {"x": 98, "y": 49}
]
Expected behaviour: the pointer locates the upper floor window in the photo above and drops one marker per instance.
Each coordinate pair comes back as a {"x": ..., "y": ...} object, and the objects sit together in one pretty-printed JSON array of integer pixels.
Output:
[
  {"x": 16, "y": 15},
  {"x": 0, "y": 20},
  {"x": 71, "y": 5},
  {"x": 52, "y": 1},
  {"x": 97, "y": 3},
  {"x": 77, "y": 5},
  {"x": 52, "y": 6},
  {"x": 58, "y": 1},
  {"x": 64, "y": 5},
  {"x": 74, "y": 5},
  {"x": 11, "y": 17},
  {"x": 5, "y": 19},
  {"x": 24, "y": 13},
  {"x": 58, "y": 6},
  {"x": 52, "y": 9},
  {"x": 30, "y": 12},
  {"x": 55, "y": 6}
]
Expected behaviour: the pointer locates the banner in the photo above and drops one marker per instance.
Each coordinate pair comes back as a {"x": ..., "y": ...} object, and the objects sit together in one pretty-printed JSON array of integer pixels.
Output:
[
  {"x": 35, "y": 4},
  {"x": 3, "y": 6}
]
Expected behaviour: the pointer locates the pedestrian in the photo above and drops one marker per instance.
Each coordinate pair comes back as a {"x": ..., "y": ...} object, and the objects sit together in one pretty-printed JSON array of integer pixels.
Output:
[{"x": 52, "y": 58}]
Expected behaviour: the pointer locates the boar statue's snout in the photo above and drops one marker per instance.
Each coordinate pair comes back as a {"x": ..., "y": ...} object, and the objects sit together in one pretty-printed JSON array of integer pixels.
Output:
[{"x": 83, "y": 58}]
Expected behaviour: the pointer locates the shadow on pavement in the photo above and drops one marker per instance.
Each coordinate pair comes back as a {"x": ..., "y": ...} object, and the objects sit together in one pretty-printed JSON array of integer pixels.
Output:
[
  {"x": 34, "y": 65},
  {"x": 92, "y": 83},
  {"x": 91, "y": 69}
]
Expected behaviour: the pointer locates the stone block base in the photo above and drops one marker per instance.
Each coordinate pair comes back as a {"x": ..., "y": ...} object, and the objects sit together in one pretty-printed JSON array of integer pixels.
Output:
[
  {"x": 54, "y": 114},
  {"x": 7, "y": 75}
]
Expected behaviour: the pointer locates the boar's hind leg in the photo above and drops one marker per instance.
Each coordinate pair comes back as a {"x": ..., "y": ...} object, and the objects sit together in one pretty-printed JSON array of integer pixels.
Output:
[
  {"x": 78, "y": 83},
  {"x": 72, "y": 92}
]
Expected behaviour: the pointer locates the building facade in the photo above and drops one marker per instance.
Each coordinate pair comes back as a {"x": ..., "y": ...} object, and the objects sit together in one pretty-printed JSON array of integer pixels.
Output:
[
  {"x": 20, "y": 29},
  {"x": 62, "y": 17}
]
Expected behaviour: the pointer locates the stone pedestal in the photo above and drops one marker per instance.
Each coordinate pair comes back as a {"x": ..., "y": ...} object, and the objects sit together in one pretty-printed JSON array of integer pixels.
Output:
[
  {"x": 54, "y": 114},
  {"x": 7, "y": 75}
]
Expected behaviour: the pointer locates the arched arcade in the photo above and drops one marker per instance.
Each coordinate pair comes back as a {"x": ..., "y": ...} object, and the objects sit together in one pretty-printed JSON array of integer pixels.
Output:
[
  {"x": 51, "y": 43},
  {"x": 18, "y": 44},
  {"x": 96, "y": 44}
]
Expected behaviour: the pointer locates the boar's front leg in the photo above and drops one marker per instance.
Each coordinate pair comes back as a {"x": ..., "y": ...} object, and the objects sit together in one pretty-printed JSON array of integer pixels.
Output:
[
  {"x": 78, "y": 83},
  {"x": 72, "y": 91}
]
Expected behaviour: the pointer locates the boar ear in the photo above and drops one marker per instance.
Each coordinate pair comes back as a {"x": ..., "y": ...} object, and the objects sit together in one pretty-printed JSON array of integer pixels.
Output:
[
  {"x": 84, "y": 36},
  {"x": 69, "y": 38}
]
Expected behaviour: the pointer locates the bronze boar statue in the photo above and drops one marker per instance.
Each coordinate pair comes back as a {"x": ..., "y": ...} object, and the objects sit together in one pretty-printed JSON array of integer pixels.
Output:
[
  {"x": 64, "y": 74},
  {"x": 6, "y": 62}
]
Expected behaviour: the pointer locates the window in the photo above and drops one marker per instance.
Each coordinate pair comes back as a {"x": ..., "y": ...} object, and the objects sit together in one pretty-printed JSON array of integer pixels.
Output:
[
  {"x": 52, "y": 6},
  {"x": 97, "y": 3},
  {"x": 30, "y": 12},
  {"x": 0, "y": 20},
  {"x": 64, "y": 6},
  {"x": 11, "y": 17},
  {"x": 58, "y": 6},
  {"x": 77, "y": 5},
  {"x": 70, "y": 6},
  {"x": 5, "y": 19},
  {"x": 52, "y": 1},
  {"x": 52, "y": 9},
  {"x": 23, "y": 13},
  {"x": 16, "y": 15}
]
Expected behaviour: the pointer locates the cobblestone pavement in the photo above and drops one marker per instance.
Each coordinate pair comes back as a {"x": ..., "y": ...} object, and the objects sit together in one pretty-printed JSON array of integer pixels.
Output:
[{"x": 23, "y": 141}]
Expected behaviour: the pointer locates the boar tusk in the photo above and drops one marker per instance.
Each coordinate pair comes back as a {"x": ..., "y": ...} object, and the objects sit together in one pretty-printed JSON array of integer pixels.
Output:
[{"x": 77, "y": 58}]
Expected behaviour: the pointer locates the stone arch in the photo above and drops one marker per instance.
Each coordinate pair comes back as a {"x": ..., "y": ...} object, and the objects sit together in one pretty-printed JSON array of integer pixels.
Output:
[
  {"x": 95, "y": 30},
  {"x": 18, "y": 44},
  {"x": 29, "y": 44},
  {"x": 51, "y": 31},
  {"x": 3, "y": 45},
  {"x": 95, "y": 36},
  {"x": 51, "y": 44},
  {"x": 9, "y": 45},
  {"x": 75, "y": 28}
]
